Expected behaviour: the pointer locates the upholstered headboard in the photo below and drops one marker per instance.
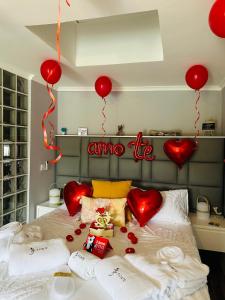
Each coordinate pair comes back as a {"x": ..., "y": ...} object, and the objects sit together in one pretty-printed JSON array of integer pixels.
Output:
[{"x": 203, "y": 174}]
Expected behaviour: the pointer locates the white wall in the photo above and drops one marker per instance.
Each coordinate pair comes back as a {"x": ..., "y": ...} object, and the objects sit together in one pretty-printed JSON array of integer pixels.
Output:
[
  {"x": 39, "y": 181},
  {"x": 138, "y": 111}
]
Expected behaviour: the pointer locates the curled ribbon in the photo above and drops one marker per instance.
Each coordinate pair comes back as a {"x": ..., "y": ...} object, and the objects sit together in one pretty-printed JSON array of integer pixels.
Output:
[
  {"x": 197, "y": 112},
  {"x": 51, "y": 108},
  {"x": 104, "y": 117},
  {"x": 45, "y": 116}
]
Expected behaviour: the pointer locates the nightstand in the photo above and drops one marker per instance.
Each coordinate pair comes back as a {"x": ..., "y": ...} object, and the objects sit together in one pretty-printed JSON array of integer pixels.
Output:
[
  {"x": 45, "y": 207},
  {"x": 209, "y": 236}
]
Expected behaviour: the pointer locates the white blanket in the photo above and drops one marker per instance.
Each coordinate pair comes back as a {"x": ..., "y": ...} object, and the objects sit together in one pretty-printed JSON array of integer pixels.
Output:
[
  {"x": 37, "y": 256},
  {"x": 83, "y": 264},
  {"x": 122, "y": 281}
]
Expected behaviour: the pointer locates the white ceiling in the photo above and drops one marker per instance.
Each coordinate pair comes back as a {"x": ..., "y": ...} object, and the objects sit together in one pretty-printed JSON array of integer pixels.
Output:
[{"x": 185, "y": 33}]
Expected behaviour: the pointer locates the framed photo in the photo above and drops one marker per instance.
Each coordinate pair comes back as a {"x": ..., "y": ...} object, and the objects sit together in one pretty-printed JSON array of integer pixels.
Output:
[{"x": 82, "y": 131}]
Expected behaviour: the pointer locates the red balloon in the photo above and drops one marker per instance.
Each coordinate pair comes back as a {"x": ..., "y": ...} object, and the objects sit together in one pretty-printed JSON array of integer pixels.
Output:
[
  {"x": 217, "y": 18},
  {"x": 196, "y": 77},
  {"x": 180, "y": 151},
  {"x": 103, "y": 86},
  {"x": 51, "y": 71},
  {"x": 73, "y": 192},
  {"x": 144, "y": 204}
]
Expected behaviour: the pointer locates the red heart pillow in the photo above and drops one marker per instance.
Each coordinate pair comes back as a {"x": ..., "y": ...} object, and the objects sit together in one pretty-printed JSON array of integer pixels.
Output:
[
  {"x": 144, "y": 204},
  {"x": 180, "y": 151},
  {"x": 73, "y": 191}
]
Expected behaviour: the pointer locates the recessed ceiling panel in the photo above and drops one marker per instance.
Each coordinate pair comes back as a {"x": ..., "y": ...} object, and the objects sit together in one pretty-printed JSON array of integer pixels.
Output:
[{"x": 131, "y": 38}]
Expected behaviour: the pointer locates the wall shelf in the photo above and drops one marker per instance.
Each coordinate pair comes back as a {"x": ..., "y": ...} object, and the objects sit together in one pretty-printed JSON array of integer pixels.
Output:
[{"x": 13, "y": 148}]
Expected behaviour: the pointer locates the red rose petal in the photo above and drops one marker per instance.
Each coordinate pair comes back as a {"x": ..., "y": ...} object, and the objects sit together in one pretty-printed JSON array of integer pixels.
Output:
[
  {"x": 130, "y": 235},
  {"x": 69, "y": 238},
  {"x": 77, "y": 231},
  {"x": 123, "y": 229},
  {"x": 130, "y": 250},
  {"x": 82, "y": 225},
  {"x": 134, "y": 240}
]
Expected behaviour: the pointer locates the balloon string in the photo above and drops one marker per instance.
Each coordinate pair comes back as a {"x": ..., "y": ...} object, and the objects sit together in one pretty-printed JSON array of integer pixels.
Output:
[
  {"x": 45, "y": 116},
  {"x": 58, "y": 32},
  {"x": 197, "y": 113},
  {"x": 104, "y": 117}
]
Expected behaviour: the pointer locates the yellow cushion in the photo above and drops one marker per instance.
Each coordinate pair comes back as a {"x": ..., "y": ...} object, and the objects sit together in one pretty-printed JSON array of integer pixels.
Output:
[
  {"x": 110, "y": 189},
  {"x": 116, "y": 208}
]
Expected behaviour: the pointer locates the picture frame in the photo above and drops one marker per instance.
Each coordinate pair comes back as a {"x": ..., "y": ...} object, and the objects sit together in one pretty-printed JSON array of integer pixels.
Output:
[{"x": 82, "y": 131}]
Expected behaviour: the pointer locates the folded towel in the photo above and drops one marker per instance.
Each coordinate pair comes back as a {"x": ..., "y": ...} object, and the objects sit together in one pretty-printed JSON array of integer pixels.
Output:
[
  {"x": 122, "y": 281},
  {"x": 171, "y": 254},
  {"x": 83, "y": 264},
  {"x": 29, "y": 233},
  {"x": 160, "y": 274},
  {"x": 37, "y": 256},
  {"x": 7, "y": 233}
]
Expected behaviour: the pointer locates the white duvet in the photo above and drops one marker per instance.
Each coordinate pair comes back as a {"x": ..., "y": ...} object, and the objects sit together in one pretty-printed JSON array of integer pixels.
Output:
[{"x": 58, "y": 224}]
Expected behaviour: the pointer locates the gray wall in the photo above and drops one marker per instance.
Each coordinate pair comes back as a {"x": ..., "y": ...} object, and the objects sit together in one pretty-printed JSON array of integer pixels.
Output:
[
  {"x": 39, "y": 181},
  {"x": 160, "y": 110},
  {"x": 223, "y": 111}
]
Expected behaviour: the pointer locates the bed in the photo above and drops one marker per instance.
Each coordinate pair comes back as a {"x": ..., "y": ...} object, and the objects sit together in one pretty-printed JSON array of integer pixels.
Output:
[{"x": 152, "y": 237}]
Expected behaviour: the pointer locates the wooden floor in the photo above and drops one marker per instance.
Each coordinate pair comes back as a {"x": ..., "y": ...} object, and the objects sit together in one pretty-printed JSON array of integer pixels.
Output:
[{"x": 216, "y": 278}]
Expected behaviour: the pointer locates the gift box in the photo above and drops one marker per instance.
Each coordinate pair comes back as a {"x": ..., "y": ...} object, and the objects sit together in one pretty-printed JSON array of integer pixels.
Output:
[
  {"x": 97, "y": 230},
  {"x": 97, "y": 245}
]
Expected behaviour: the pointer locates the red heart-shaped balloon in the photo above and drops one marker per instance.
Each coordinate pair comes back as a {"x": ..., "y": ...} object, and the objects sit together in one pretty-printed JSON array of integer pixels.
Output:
[
  {"x": 180, "y": 151},
  {"x": 144, "y": 204},
  {"x": 73, "y": 192}
]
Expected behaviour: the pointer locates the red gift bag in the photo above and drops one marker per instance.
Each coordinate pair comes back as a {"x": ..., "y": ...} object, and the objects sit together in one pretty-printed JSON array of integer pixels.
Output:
[{"x": 97, "y": 245}]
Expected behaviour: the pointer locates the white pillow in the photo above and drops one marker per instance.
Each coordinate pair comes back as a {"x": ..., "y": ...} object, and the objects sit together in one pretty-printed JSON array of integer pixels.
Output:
[{"x": 174, "y": 207}]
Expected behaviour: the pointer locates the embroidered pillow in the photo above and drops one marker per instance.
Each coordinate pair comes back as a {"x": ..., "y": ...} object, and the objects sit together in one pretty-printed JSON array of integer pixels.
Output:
[{"x": 116, "y": 208}]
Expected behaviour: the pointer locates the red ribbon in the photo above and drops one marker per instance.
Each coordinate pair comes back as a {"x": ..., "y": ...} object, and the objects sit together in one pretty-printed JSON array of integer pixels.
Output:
[
  {"x": 45, "y": 116},
  {"x": 52, "y": 106},
  {"x": 104, "y": 117},
  {"x": 197, "y": 112}
]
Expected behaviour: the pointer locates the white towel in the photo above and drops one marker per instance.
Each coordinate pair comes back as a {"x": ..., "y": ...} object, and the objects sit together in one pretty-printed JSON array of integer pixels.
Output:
[
  {"x": 7, "y": 233},
  {"x": 37, "y": 256},
  {"x": 186, "y": 270},
  {"x": 122, "y": 281},
  {"x": 160, "y": 274},
  {"x": 29, "y": 233},
  {"x": 83, "y": 264}
]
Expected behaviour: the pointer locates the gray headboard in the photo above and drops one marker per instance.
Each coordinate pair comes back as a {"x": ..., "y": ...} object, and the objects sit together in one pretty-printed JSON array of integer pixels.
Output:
[{"x": 203, "y": 174}]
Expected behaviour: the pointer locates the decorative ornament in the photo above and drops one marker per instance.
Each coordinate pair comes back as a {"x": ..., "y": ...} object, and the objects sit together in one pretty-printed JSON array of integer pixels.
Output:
[
  {"x": 144, "y": 205},
  {"x": 196, "y": 77},
  {"x": 77, "y": 232},
  {"x": 97, "y": 245},
  {"x": 73, "y": 192},
  {"x": 51, "y": 71},
  {"x": 130, "y": 235},
  {"x": 103, "y": 86},
  {"x": 147, "y": 149},
  {"x": 142, "y": 149},
  {"x": 102, "y": 226},
  {"x": 130, "y": 250},
  {"x": 179, "y": 151},
  {"x": 217, "y": 18},
  {"x": 123, "y": 229},
  {"x": 69, "y": 238},
  {"x": 82, "y": 226}
]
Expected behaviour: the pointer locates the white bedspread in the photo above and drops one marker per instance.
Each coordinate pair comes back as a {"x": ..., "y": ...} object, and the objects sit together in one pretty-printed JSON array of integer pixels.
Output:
[{"x": 151, "y": 238}]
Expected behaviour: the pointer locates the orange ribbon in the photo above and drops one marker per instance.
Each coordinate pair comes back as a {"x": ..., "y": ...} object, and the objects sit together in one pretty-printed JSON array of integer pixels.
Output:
[
  {"x": 104, "y": 117},
  {"x": 197, "y": 112},
  {"x": 45, "y": 116},
  {"x": 51, "y": 108}
]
